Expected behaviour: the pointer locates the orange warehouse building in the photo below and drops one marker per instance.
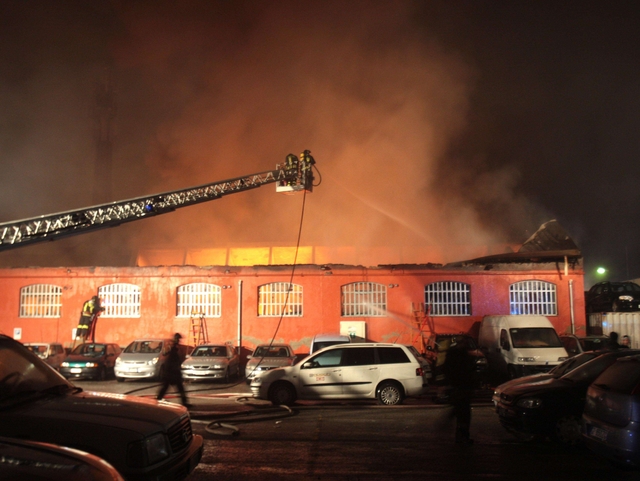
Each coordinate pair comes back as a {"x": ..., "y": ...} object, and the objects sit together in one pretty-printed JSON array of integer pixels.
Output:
[{"x": 248, "y": 305}]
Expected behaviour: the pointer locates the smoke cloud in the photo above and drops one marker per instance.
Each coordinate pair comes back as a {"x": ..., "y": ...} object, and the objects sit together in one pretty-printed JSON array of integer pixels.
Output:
[{"x": 208, "y": 91}]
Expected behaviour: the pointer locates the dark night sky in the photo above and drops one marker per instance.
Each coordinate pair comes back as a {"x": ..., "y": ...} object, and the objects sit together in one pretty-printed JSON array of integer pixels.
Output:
[{"x": 436, "y": 122}]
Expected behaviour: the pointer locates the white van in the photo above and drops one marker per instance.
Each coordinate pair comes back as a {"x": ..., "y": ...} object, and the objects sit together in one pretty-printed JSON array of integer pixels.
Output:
[
  {"x": 520, "y": 345},
  {"x": 320, "y": 341}
]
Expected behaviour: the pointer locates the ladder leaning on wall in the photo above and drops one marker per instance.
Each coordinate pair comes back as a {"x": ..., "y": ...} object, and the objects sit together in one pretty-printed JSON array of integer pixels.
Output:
[
  {"x": 423, "y": 323},
  {"x": 199, "y": 334}
]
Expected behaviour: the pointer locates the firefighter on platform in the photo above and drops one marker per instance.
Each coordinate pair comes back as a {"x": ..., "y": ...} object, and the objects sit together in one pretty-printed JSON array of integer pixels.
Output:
[{"x": 91, "y": 309}]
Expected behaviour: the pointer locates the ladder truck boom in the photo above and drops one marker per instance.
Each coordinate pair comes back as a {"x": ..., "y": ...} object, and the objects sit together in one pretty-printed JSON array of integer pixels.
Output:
[{"x": 292, "y": 176}]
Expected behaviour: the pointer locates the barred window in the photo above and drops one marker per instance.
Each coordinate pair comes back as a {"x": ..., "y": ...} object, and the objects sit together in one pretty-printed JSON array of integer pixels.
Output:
[
  {"x": 120, "y": 300},
  {"x": 364, "y": 299},
  {"x": 280, "y": 299},
  {"x": 199, "y": 299},
  {"x": 448, "y": 298},
  {"x": 41, "y": 300},
  {"x": 533, "y": 297}
]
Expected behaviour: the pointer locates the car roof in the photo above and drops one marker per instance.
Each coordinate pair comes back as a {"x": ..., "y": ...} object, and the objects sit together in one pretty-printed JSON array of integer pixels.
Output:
[{"x": 357, "y": 345}]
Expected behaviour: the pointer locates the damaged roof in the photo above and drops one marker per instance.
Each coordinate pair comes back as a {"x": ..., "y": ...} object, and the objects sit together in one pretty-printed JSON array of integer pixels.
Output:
[{"x": 549, "y": 243}]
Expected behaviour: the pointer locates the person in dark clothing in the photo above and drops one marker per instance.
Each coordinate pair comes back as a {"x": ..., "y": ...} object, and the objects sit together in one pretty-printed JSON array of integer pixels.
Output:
[
  {"x": 459, "y": 369},
  {"x": 171, "y": 372},
  {"x": 612, "y": 343}
]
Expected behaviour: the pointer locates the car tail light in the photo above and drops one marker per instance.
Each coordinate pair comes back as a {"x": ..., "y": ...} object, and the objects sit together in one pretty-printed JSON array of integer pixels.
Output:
[{"x": 419, "y": 371}]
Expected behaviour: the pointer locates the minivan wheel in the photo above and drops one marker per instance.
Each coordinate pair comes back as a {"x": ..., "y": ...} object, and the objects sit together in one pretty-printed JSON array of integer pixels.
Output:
[
  {"x": 567, "y": 430},
  {"x": 389, "y": 393},
  {"x": 282, "y": 394}
]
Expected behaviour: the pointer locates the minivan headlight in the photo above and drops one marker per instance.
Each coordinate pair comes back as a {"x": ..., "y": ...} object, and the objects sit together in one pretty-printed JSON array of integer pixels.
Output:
[
  {"x": 626, "y": 298},
  {"x": 64, "y": 364},
  {"x": 118, "y": 360},
  {"x": 153, "y": 361}
]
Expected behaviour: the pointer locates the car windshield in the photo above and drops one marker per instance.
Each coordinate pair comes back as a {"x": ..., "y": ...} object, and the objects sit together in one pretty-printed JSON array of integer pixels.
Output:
[
  {"x": 89, "y": 350},
  {"x": 572, "y": 363},
  {"x": 23, "y": 374},
  {"x": 626, "y": 287},
  {"x": 589, "y": 371},
  {"x": 271, "y": 351},
  {"x": 532, "y": 337},
  {"x": 593, "y": 344},
  {"x": 144, "y": 347},
  {"x": 209, "y": 351}
]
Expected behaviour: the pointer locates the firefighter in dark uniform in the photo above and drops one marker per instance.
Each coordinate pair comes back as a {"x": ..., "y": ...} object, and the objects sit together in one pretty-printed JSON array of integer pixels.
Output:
[
  {"x": 459, "y": 368},
  {"x": 171, "y": 373}
]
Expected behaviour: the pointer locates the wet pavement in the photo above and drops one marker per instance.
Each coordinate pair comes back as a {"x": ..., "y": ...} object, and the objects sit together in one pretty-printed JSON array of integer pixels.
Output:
[{"x": 251, "y": 440}]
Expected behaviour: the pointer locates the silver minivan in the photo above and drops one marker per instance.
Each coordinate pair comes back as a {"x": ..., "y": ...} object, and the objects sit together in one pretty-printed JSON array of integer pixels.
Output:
[{"x": 144, "y": 359}]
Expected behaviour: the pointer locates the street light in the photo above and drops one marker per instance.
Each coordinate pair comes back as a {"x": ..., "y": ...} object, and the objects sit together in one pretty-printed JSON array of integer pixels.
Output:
[{"x": 601, "y": 270}]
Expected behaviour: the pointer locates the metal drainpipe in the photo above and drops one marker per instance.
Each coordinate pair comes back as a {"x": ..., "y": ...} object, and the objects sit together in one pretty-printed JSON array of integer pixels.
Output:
[
  {"x": 573, "y": 317},
  {"x": 239, "y": 315}
]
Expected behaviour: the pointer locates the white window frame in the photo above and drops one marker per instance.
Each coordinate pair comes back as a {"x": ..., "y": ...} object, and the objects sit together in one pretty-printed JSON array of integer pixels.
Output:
[
  {"x": 41, "y": 301},
  {"x": 199, "y": 299},
  {"x": 280, "y": 299},
  {"x": 120, "y": 300},
  {"x": 533, "y": 297},
  {"x": 363, "y": 299},
  {"x": 448, "y": 298}
]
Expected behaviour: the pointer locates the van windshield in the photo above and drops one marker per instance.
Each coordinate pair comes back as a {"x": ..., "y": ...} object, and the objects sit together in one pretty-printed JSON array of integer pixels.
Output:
[{"x": 532, "y": 337}]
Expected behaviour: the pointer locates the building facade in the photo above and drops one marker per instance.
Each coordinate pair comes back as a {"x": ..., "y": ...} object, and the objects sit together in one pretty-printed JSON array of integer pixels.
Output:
[{"x": 249, "y": 305}]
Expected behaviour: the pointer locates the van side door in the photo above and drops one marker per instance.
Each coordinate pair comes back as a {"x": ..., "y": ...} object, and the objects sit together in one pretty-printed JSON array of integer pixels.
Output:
[
  {"x": 321, "y": 376},
  {"x": 360, "y": 372}
]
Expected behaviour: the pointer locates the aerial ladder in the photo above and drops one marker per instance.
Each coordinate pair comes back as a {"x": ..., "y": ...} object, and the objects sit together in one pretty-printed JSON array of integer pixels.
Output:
[{"x": 294, "y": 175}]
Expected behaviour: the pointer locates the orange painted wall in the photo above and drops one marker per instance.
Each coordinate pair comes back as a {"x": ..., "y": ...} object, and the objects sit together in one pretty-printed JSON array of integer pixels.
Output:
[{"x": 321, "y": 308}]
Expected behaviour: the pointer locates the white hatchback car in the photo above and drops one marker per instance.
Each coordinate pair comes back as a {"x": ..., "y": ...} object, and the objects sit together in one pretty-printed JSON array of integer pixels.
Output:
[{"x": 386, "y": 372}]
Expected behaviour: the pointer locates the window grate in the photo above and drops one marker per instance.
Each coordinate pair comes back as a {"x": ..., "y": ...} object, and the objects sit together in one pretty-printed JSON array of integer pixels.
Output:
[
  {"x": 533, "y": 297},
  {"x": 448, "y": 298},
  {"x": 120, "y": 300},
  {"x": 364, "y": 299},
  {"x": 199, "y": 299},
  {"x": 41, "y": 300},
  {"x": 280, "y": 299}
]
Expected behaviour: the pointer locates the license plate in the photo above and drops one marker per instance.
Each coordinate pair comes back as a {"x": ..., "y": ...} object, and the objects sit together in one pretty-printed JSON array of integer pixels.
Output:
[
  {"x": 599, "y": 433},
  {"x": 76, "y": 370},
  {"x": 133, "y": 369}
]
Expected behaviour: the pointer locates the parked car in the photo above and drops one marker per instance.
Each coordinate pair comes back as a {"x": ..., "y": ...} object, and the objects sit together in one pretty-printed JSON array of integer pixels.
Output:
[
  {"x": 91, "y": 361},
  {"x": 553, "y": 407},
  {"x": 386, "y": 372},
  {"x": 267, "y": 357},
  {"x": 613, "y": 297},
  {"x": 53, "y": 353},
  {"x": 212, "y": 361},
  {"x": 320, "y": 341},
  {"x": 31, "y": 460},
  {"x": 557, "y": 372},
  {"x": 612, "y": 413},
  {"x": 424, "y": 362},
  {"x": 437, "y": 346},
  {"x": 141, "y": 438},
  {"x": 145, "y": 358},
  {"x": 574, "y": 345}
]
